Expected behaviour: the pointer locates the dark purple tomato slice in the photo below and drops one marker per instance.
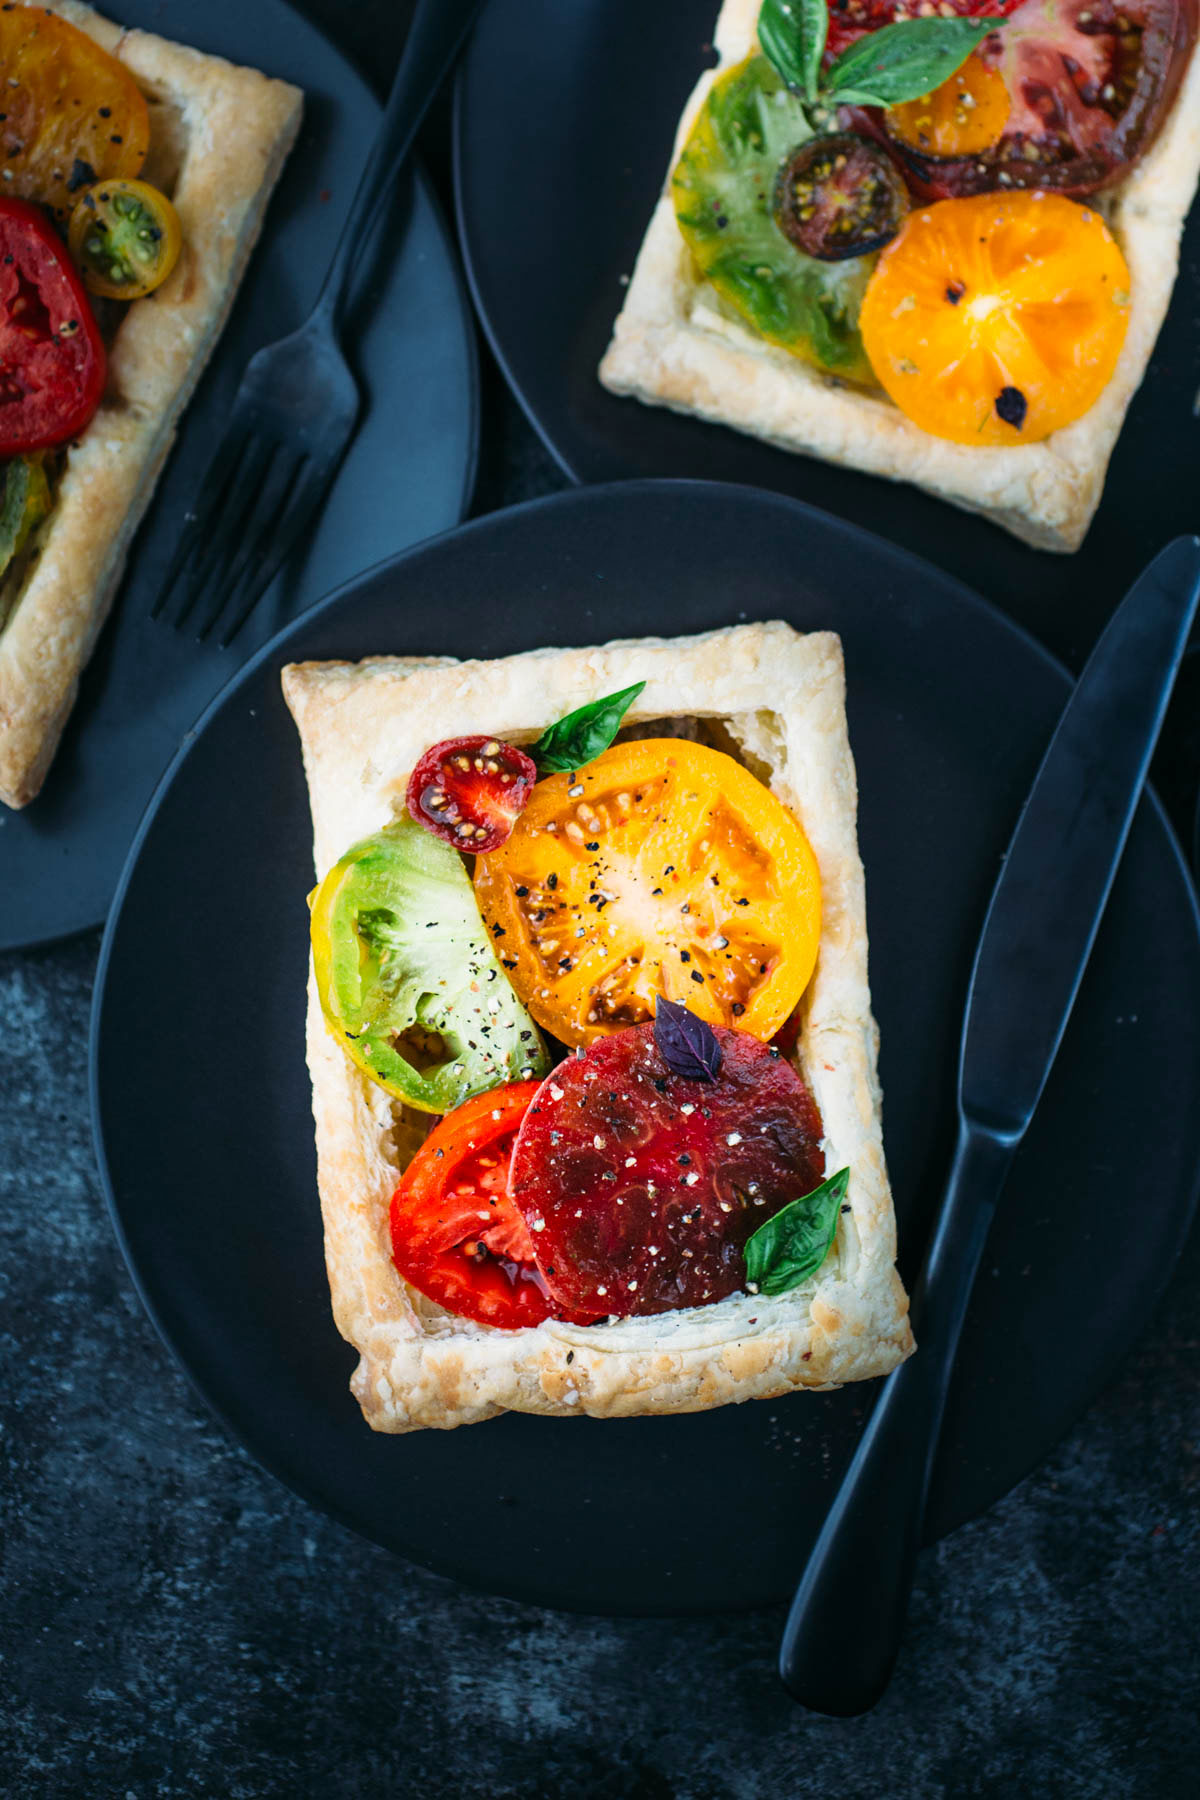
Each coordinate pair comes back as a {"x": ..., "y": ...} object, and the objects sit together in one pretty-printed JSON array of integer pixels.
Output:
[
  {"x": 469, "y": 791},
  {"x": 839, "y": 196},
  {"x": 640, "y": 1188},
  {"x": 1089, "y": 82}
]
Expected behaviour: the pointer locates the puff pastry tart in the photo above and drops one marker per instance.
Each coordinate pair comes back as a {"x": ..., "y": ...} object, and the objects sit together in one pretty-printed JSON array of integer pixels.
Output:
[
  {"x": 935, "y": 243},
  {"x": 589, "y": 1030},
  {"x": 143, "y": 169}
]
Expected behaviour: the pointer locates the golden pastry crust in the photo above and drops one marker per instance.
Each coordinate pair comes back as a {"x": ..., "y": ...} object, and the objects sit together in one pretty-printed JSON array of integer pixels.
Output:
[
  {"x": 781, "y": 697},
  {"x": 673, "y": 346},
  {"x": 219, "y": 136}
]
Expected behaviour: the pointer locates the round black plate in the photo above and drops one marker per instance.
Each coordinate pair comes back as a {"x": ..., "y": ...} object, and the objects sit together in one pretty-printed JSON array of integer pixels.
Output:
[
  {"x": 408, "y": 474},
  {"x": 202, "y": 1101},
  {"x": 564, "y": 124}
]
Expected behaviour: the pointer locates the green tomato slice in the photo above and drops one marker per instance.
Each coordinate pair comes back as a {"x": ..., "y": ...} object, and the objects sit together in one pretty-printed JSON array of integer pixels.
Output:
[
  {"x": 408, "y": 982},
  {"x": 723, "y": 187}
]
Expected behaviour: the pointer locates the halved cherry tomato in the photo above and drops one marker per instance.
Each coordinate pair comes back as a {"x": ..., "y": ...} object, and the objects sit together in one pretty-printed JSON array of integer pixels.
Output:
[
  {"x": 126, "y": 238},
  {"x": 641, "y": 1188},
  {"x": 964, "y": 115},
  {"x": 849, "y": 19},
  {"x": 469, "y": 790},
  {"x": 71, "y": 113},
  {"x": 661, "y": 867},
  {"x": 52, "y": 363},
  {"x": 839, "y": 196},
  {"x": 997, "y": 320},
  {"x": 456, "y": 1235},
  {"x": 1089, "y": 83}
]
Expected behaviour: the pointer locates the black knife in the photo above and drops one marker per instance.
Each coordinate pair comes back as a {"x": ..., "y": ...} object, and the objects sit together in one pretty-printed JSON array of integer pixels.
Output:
[{"x": 844, "y": 1628}]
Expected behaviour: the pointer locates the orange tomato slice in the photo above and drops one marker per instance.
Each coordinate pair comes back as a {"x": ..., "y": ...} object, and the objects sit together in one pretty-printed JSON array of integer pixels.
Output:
[
  {"x": 964, "y": 115},
  {"x": 999, "y": 319},
  {"x": 71, "y": 113},
  {"x": 662, "y": 867}
]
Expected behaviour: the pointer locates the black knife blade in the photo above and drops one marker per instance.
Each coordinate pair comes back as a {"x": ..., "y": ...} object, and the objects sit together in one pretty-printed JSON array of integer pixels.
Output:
[{"x": 844, "y": 1628}]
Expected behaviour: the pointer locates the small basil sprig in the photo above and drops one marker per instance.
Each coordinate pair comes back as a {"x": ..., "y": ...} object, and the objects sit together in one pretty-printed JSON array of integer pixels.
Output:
[
  {"x": 883, "y": 68},
  {"x": 687, "y": 1045},
  {"x": 584, "y": 733},
  {"x": 793, "y": 1244}
]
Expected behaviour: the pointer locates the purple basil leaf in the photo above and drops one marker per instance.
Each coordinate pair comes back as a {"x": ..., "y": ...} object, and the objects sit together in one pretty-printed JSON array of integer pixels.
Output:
[{"x": 687, "y": 1045}]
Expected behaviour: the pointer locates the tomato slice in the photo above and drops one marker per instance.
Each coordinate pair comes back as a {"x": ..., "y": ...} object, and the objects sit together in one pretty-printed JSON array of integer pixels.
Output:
[
  {"x": 1089, "y": 83},
  {"x": 965, "y": 114},
  {"x": 126, "y": 238},
  {"x": 456, "y": 1235},
  {"x": 52, "y": 363},
  {"x": 999, "y": 319},
  {"x": 641, "y": 1188},
  {"x": 661, "y": 867},
  {"x": 469, "y": 791},
  {"x": 839, "y": 195},
  {"x": 72, "y": 113}
]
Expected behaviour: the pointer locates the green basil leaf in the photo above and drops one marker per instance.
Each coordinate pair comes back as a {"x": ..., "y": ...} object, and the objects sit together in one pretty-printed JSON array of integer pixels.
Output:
[
  {"x": 792, "y": 1246},
  {"x": 792, "y": 35},
  {"x": 583, "y": 734},
  {"x": 902, "y": 62}
]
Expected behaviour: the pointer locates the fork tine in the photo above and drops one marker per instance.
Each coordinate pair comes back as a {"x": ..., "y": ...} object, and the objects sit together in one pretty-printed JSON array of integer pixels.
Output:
[
  {"x": 256, "y": 537},
  {"x": 298, "y": 516},
  {"x": 210, "y": 564},
  {"x": 214, "y": 487}
]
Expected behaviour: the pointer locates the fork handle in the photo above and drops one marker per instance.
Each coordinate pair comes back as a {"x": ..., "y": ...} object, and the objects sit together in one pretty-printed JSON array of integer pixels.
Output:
[{"x": 434, "y": 40}]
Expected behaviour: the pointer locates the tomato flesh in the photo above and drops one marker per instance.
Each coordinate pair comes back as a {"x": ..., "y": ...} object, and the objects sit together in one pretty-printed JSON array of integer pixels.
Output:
[
  {"x": 456, "y": 1235},
  {"x": 71, "y": 113},
  {"x": 470, "y": 791},
  {"x": 1089, "y": 82},
  {"x": 641, "y": 1188},
  {"x": 52, "y": 363}
]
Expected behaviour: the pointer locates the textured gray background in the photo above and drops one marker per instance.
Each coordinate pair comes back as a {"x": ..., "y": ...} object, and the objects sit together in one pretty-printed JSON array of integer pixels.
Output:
[{"x": 174, "y": 1623}]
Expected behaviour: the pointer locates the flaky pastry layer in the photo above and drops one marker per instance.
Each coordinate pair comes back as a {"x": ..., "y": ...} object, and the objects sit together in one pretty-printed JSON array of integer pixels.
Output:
[
  {"x": 674, "y": 346},
  {"x": 218, "y": 138},
  {"x": 781, "y": 696}
]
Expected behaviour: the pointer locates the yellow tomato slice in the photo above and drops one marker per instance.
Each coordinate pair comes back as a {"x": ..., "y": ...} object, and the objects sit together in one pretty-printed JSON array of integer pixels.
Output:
[
  {"x": 125, "y": 238},
  {"x": 71, "y": 113},
  {"x": 662, "y": 867},
  {"x": 963, "y": 116},
  {"x": 998, "y": 319}
]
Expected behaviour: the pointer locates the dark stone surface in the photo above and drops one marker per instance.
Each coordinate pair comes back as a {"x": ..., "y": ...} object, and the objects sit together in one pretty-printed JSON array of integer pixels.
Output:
[{"x": 173, "y": 1623}]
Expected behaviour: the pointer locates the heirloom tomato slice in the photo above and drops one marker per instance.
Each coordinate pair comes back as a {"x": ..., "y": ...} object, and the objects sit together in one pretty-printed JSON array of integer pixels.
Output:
[
  {"x": 999, "y": 319},
  {"x": 469, "y": 790},
  {"x": 456, "y": 1235},
  {"x": 71, "y": 114},
  {"x": 52, "y": 362},
  {"x": 663, "y": 867},
  {"x": 1089, "y": 83},
  {"x": 641, "y": 1187},
  {"x": 125, "y": 237}
]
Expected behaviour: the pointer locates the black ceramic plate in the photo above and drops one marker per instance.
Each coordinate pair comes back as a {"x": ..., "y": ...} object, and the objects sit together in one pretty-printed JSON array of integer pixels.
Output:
[
  {"x": 202, "y": 1101},
  {"x": 565, "y": 120},
  {"x": 408, "y": 474}
]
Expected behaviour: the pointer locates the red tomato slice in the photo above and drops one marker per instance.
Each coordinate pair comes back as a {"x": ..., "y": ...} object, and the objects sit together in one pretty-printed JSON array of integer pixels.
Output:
[
  {"x": 641, "y": 1188},
  {"x": 849, "y": 19},
  {"x": 456, "y": 1235},
  {"x": 52, "y": 363},
  {"x": 1089, "y": 82},
  {"x": 469, "y": 791}
]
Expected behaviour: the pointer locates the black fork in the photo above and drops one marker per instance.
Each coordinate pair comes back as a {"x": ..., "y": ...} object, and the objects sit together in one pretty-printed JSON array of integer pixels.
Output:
[{"x": 298, "y": 402}]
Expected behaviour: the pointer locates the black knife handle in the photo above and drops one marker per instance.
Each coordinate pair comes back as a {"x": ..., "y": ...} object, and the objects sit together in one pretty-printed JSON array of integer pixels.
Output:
[{"x": 844, "y": 1629}]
